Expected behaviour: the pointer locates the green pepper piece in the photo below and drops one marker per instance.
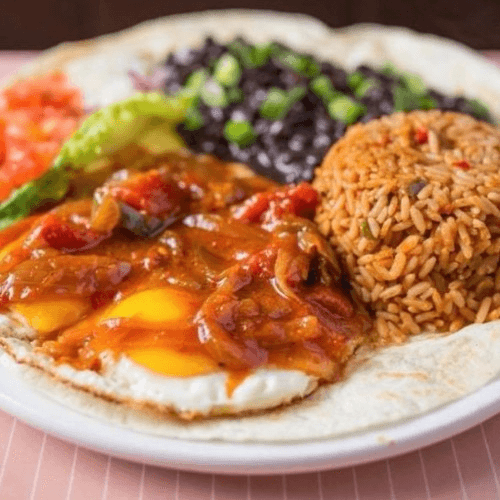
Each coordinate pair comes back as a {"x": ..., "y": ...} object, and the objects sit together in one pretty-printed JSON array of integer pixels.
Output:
[
  {"x": 239, "y": 132},
  {"x": 345, "y": 109},
  {"x": 227, "y": 70}
]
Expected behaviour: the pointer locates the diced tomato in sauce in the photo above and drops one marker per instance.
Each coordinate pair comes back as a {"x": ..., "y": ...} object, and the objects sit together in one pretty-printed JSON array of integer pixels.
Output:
[
  {"x": 67, "y": 236},
  {"x": 36, "y": 116},
  {"x": 218, "y": 282},
  {"x": 151, "y": 192},
  {"x": 300, "y": 200}
]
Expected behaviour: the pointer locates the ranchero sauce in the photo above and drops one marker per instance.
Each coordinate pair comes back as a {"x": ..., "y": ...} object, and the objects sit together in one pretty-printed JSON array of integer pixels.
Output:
[{"x": 187, "y": 267}]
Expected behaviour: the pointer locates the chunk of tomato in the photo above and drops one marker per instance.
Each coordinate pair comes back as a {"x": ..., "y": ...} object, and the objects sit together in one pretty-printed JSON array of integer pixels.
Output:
[{"x": 67, "y": 236}]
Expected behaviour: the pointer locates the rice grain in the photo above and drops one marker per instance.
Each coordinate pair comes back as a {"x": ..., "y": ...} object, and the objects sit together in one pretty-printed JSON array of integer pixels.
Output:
[{"x": 433, "y": 210}]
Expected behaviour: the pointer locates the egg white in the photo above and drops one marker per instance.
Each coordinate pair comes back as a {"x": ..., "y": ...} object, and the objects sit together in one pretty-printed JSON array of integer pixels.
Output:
[{"x": 125, "y": 381}]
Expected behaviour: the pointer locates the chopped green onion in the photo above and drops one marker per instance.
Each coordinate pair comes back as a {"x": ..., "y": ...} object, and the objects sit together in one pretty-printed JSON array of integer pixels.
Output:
[
  {"x": 213, "y": 95},
  {"x": 243, "y": 51},
  {"x": 354, "y": 80},
  {"x": 478, "y": 108},
  {"x": 294, "y": 61},
  {"x": 235, "y": 94},
  {"x": 239, "y": 132},
  {"x": 425, "y": 102},
  {"x": 194, "y": 119},
  {"x": 365, "y": 87},
  {"x": 278, "y": 101},
  {"x": 389, "y": 69},
  {"x": 304, "y": 65},
  {"x": 323, "y": 88},
  {"x": 227, "y": 70},
  {"x": 404, "y": 100},
  {"x": 275, "y": 105},
  {"x": 196, "y": 80},
  {"x": 295, "y": 94},
  {"x": 413, "y": 83},
  {"x": 313, "y": 69},
  {"x": 261, "y": 54},
  {"x": 345, "y": 109}
]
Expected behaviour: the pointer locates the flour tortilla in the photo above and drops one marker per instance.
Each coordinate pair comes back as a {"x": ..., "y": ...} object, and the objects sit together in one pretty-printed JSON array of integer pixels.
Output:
[{"x": 395, "y": 383}]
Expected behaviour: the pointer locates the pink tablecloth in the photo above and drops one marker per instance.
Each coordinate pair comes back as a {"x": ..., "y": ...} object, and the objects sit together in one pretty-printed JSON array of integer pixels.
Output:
[{"x": 35, "y": 466}]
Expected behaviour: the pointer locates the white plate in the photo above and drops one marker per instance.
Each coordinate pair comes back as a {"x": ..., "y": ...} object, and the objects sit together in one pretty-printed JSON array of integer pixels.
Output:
[
  {"x": 38, "y": 410},
  {"x": 446, "y": 66}
]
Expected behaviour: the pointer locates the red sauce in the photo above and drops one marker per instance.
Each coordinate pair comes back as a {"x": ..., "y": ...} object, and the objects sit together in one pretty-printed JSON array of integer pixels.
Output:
[{"x": 233, "y": 268}]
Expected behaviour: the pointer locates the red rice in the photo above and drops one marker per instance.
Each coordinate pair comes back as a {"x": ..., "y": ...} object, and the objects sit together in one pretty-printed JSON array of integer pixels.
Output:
[{"x": 417, "y": 225}]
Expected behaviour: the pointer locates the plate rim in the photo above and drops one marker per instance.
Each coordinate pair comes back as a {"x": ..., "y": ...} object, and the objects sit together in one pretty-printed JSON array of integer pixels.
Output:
[{"x": 37, "y": 409}]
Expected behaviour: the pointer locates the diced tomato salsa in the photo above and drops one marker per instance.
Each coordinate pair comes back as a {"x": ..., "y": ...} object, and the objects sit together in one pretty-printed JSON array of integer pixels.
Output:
[{"x": 36, "y": 116}]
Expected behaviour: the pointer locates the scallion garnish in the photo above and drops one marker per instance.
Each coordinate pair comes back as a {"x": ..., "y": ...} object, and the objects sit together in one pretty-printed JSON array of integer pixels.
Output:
[
  {"x": 364, "y": 87},
  {"x": 323, "y": 88},
  {"x": 426, "y": 102},
  {"x": 304, "y": 65},
  {"x": 213, "y": 95},
  {"x": 404, "y": 100},
  {"x": 278, "y": 101},
  {"x": 227, "y": 70},
  {"x": 478, "y": 108},
  {"x": 413, "y": 83},
  {"x": 295, "y": 94},
  {"x": 389, "y": 69},
  {"x": 354, "y": 80},
  {"x": 345, "y": 109},
  {"x": 239, "y": 132},
  {"x": 196, "y": 80},
  {"x": 275, "y": 105},
  {"x": 261, "y": 54},
  {"x": 313, "y": 69},
  {"x": 244, "y": 52},
  {"x": 294, "y": 61}
]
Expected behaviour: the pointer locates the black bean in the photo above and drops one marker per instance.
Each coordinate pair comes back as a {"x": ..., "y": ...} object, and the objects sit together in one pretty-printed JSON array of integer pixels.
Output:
[{"x": 287, "y": 149}]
